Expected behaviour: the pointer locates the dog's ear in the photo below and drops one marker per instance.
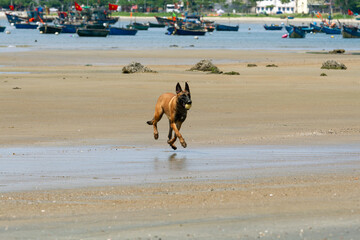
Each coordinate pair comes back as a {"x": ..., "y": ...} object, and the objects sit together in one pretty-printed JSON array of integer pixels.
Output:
[
  {"x": 178, "y": 88},
  {"x": 187, "y": 87}
]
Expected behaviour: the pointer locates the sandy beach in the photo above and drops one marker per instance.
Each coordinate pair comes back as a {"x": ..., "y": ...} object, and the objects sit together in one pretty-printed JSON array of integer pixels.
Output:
[{"x": 81, "y": 98}]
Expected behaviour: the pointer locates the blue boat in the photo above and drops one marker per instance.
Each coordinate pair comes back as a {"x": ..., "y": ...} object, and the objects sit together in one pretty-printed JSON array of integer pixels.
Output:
[
  {"x": 85, "y": 32},
  {"x": 273, "y": 27},
  {"x": 122, "y": 31},
  {"x": 25, "y": 26},
  {"x": 185, "y": 32},
  {"x": 318, "y": 29},
  {"x": 222, "y": 27},
  {"x": 350, "y": 32},
  {"x": 296, "y": 32},
  {"x": 304, "y": 28},
  {"x": 2, "y": 28},
  {"x": 333, "y": 31},
  {"x": 70, "y": 28}
]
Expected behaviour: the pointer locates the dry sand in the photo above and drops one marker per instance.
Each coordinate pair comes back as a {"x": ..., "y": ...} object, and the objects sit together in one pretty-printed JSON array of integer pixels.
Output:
[{"x": 80, "y": 98}]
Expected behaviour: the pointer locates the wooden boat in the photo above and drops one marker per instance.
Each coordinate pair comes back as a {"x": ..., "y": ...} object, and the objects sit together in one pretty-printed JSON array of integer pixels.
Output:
[
  {"x": 122, "y": 31},
  {"x": 185, "y": 32},
  {"x": 350, "y": 32},
  {"x": 50, "y": 29},
  {"x": 273, "y": 27},
  {"x": 222, "y": 27},
  {"x": 333, "y": 31},
  {"x": 85, "y": 32},
  {"x": 2, "y": 28},
  {"x": 296, "y": 32},
  {"x": 304, "y": 28},
  {"x": 70, "y": 28},
  {"x": 138, "y": 26},
  {"x": 14, "y": 18},
  {"x": 25, "y": 26},
  {"x": 317, "y": 28},
  {"x": 156, "y": 25}
]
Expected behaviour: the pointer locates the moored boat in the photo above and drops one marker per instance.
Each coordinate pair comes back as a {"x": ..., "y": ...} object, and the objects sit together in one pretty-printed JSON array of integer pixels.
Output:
[
  {"x": 139, "y": 26},
  {"x": 50, "y": 29},
  {"x": 331, "y": 30},
  {"x": 156, "y": 25},
  {"x": 317, "y": 28},
  {"x": 222, "y": 27},
  {"x": 296, "y": 32},
  {"x": 185, "y": 32},
  {"x": 122, "y": 31},
  {"x": 350, "y": 32},
  {"x": 85, "y": 32},
  {"x": 273, "y": 27},
  {"x": 26, "y": 25},
  {"x": 2, "y": 28}
]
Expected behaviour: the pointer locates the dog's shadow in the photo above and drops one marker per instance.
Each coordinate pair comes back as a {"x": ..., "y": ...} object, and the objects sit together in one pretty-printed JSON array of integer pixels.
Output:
[{"x": 174, "y": 163}]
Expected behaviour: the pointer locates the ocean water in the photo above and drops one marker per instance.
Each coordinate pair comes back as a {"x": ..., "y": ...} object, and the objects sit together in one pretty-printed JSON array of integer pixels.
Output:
[{"x": 249, "y": 36}]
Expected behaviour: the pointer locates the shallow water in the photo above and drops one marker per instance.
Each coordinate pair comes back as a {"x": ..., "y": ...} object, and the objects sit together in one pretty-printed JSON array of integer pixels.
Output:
[
  {"x": 67, "y": 167},
  {"x": 155, "y": 38}
]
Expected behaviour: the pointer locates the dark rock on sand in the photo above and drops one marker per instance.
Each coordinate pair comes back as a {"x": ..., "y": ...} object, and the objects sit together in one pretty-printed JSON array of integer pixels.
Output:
[
  {"x": 337, "y": 51},
  {"x": 206, "y": 66},
  {"x": 332, "y": 64},
  {"x": 136, "y": 67}
]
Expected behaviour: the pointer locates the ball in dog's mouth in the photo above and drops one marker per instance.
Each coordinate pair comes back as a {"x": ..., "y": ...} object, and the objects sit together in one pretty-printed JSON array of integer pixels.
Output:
[{"x": 187, "y": 106}]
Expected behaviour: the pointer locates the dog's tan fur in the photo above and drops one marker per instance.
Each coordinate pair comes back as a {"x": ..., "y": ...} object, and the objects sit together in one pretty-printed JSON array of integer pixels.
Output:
[{"x": 169, "y": 104}]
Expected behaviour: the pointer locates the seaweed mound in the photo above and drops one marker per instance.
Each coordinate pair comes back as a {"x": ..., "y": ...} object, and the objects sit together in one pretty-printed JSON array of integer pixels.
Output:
[
  {"x": 332, "y": 64},
  {"x": 136, "y": 67},
  {"x": 205, "y": 66},
  {"x": 337, "y": 51}
]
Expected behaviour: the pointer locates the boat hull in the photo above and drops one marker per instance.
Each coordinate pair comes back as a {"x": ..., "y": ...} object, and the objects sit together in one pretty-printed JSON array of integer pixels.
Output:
[
  {"x": 185, "y": 32},
  {"x": 50, "y": 29},
  {"x": 221, "y": 27},
  {"x": 25, "y": 26},
  {"x": 83, "y": 32},
  {"x": 349, "y": 32},
  {"x": 122, "y": 31},
  {"x": 333, "y": 31},
  {"x": 273, "y": 27},
  {"x": 296, "y": 32}
]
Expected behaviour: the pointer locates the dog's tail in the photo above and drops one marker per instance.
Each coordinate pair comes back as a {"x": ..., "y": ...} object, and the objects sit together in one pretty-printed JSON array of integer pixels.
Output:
[{"x": 151, "y": 122}]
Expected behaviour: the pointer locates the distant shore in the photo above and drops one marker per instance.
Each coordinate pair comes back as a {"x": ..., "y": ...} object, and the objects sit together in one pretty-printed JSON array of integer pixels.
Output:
[{"x": 239, "y": 20}]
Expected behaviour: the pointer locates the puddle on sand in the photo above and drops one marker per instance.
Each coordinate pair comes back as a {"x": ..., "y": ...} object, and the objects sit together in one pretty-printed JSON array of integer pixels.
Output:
[{"x": 69, "y": 167}]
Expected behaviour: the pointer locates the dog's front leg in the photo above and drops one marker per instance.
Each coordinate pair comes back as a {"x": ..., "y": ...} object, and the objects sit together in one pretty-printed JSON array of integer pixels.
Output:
[{"x": 176, "y": 128}]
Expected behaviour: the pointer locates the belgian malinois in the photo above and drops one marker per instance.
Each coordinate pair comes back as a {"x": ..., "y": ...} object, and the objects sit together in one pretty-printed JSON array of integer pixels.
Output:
[{"x": 175, "y": 106}]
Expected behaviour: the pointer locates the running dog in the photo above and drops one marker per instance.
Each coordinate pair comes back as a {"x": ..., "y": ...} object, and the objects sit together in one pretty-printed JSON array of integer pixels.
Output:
[{"x": 175, "y": 106}]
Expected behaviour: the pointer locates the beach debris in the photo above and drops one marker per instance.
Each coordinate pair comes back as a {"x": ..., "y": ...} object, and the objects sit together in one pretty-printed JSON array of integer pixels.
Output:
[
  {"x": 174, "y": 45},
  {"x": 88, "y": 65},
  {"x": 337, "y": 51},
  {"x": 271, "y": 65},
  {"x": 205, "y": 66},
  {"x": 231, "y": 73},
  {"x": 16, "y": 88},
  {"x": 332, "y": 64},
  {"x": 252, "y": 65},
  {"x": 136, "y": 67},
  {"x": 323, "y": 74}
]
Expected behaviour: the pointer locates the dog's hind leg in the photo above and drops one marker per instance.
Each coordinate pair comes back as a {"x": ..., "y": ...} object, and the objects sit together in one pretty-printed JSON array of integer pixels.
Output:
[{"x": 157, "y": 117}]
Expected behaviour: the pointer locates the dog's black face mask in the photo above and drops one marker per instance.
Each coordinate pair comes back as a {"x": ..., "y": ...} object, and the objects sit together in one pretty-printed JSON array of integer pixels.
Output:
[{"x": 184, "y": 97}]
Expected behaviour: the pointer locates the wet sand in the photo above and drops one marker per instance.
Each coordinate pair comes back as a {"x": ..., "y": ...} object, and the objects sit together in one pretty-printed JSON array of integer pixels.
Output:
[{"x": 272, "y": 153}]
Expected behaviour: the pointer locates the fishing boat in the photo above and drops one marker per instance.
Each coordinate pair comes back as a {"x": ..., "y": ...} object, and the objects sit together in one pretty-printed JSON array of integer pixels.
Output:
[
  {"x": 2, "y": 28},
  {"x": 13, "y": 18},
  {"x": 296, "y": 32},
  {"x": 222, "y": 27},
  {"x": 304, "y": 28},
  {"x": 85, "y": 32},
  {"x": 50, "y": 29},
  {"x": 139, "y": 26},
  {"x": 317, "y": 28},
  {"x": 25, "y": 25},
  {"x": 273, "y": 27},
  {"x": 122, "y": 31},
  {"x": 70, "y": 28},
  {"x": 156, "y": 25},
  {"x": 185, "y": 32},
  {"x": 350, "y": 32},
  {"x": 331, "y": 30}
]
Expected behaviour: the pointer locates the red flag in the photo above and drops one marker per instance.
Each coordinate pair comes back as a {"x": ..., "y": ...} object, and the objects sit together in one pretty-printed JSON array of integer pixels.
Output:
[
  {"x": 350, "y": 12},
  {"x": 78, "y": 7},
  {"x": 113, "y": 7},
  {"x": 12, "y": 7}
]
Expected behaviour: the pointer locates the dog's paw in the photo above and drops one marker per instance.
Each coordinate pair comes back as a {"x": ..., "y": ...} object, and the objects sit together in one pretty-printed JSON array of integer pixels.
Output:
[
  {"x": 184, "y": 144},
  {"x": 173, "y": 147},
  {"x": 156, "y": 136}
]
